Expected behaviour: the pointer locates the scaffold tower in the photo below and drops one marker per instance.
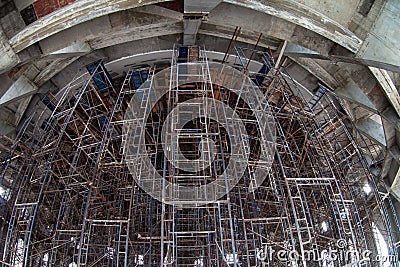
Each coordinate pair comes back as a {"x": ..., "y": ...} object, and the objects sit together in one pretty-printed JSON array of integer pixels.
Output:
[{"x": 198, "y": 164}]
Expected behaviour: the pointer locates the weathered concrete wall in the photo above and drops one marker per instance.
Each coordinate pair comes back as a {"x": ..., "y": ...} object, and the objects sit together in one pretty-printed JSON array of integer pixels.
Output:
[
  {"x": 341, "y": 11},
  {"x": 382, "y": 43}
]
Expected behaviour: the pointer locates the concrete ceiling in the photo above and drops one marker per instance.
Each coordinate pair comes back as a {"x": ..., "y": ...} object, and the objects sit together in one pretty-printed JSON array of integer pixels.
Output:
[{"x": 351, "y": 46}]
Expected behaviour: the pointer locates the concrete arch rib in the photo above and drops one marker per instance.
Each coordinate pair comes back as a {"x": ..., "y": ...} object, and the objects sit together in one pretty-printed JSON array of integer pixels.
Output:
[
  {"x": 82, "y": 11},
  {"x": 291, "y": 11},
  {"x": 69, "y": 16}
]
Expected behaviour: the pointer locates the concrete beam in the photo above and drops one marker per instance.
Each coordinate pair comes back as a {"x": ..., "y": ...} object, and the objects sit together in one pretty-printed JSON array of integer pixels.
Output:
[
  {"x": 394, "y": 152},
  {"x": 298, "y": 51},
  {"x": 5, "y": 82},
  {"x": 21, "y": 4},
  {"x": 21, "y": 88},
  {"x": 391, "y": 116},
  {"x": 8, "y": 57},
  {"x": 21, "y": 109},
  {"x": 395, "y": 187},
  {"x": 353, "y": 93},
  {"x": 6, "y": 128},
  {"x": 41, "y": 78},
  {"x": 7, "y": 122},
  {"x": 244, "y": 37},
  {"x": 52, "y": 69},
  {"x": 80, "y": 12},
  {"x": 386, "y": 164},
  {"x": 346, "y": 105},
  {"x": 372, "y": 129},
  {"x": 381, "y": 48},
  {"x": 295, "y": 50},
  {"x": 136, "y": 33},
  {"x": 317, "y": 70},
  {"x": 121, "y": 27},
  {"x": 191, "y": 27},
  {"x": 77, "y": 49},
  {"x": 73, "y": 39},
  {"x": 199, "y": 6},
  {"x": 24, "y": 88}
]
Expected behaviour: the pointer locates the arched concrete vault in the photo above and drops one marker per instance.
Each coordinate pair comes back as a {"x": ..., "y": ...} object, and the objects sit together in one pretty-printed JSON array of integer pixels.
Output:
[{"x": 350, "y": 46}]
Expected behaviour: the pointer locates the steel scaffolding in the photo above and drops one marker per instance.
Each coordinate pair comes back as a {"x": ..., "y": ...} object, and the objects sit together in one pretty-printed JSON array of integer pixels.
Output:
[{"x": 136, "y": 171}]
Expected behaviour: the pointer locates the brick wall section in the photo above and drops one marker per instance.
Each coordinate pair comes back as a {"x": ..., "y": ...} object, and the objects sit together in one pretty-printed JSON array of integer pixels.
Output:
[{"x": 45, "y": 7}]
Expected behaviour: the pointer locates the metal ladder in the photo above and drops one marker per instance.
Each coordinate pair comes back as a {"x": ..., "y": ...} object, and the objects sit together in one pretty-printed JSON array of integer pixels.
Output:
[{"x": 315, "y": 99}]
